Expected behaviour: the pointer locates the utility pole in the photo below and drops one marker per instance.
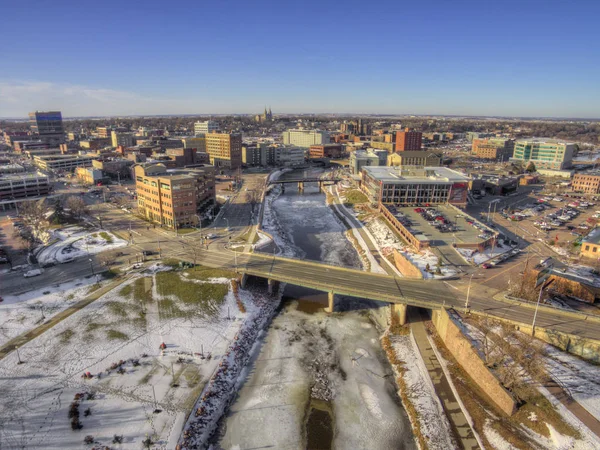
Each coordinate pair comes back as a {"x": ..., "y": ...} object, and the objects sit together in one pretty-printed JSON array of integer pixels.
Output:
[{"x": 158, "y": 241}]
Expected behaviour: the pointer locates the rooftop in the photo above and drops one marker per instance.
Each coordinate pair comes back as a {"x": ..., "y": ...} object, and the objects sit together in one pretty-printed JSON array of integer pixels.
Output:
[
  {"x": 413, "y": 173},
  {"x": 593, "y": 237},
  {"x": 545, "y": 140}
]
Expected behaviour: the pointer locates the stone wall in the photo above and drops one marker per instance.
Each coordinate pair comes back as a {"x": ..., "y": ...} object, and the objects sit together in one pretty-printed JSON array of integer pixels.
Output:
[
  {"x": 468, "y": 358},
  {"x": 405, "y": 266}
]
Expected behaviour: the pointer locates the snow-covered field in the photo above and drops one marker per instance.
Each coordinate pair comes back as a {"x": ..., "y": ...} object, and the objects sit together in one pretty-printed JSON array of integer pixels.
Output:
[
  {"x": 138, "y": 391},
  {"x": 434, "y": 425},
  {"x": 21, "y": 313},
  {"x": 74, "y": 242}
]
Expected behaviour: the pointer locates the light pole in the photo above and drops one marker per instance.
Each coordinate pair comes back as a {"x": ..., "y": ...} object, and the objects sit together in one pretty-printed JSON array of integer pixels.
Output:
[
  {"x": 468, "y": 294},
  {"x": 226, "y": 220},
  {"x": 544, "y": 286},
  {"x": 18, "y": 355},
  {"x": 158, "y": 241}
]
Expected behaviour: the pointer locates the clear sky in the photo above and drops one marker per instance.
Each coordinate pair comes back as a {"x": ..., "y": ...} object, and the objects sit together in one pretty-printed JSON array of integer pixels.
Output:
[{"x": 521, "y": 58}]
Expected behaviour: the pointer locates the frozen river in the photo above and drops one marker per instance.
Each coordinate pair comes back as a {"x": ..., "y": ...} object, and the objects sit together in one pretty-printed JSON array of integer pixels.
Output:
[{"x": 327, "y": 371}]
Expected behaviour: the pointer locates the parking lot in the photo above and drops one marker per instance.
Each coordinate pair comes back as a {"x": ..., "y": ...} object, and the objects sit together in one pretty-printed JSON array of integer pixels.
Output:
[{"x": 443, "y": 225}]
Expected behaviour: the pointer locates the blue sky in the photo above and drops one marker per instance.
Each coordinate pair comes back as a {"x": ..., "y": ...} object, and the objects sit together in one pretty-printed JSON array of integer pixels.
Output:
[{"x": 521, "y": 58}]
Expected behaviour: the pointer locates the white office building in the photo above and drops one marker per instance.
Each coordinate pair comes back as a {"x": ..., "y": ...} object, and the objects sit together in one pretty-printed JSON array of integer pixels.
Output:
[
  {"x": 205, "y": 127},
  {"x": 305, "y": 138}
]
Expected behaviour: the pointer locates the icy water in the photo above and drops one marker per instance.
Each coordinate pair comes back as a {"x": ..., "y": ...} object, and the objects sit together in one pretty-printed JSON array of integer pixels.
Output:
[{"x": 319, "y": 381}]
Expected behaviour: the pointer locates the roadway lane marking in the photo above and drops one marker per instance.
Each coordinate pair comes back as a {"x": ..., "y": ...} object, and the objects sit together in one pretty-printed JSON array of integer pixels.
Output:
[{"x": 453, "y": 287}]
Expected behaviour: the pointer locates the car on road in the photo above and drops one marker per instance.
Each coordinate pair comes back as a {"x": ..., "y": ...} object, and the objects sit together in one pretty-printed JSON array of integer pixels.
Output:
[
  {"x": 33, "y": 273},
  {"x": 212, "y": 236},
  {"x": 67, "y": 260},
  {"x": 486, "y": 266}
]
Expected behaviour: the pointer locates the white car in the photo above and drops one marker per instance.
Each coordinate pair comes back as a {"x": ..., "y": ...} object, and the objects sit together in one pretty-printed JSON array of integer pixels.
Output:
[{"x": 33, "y": 273}]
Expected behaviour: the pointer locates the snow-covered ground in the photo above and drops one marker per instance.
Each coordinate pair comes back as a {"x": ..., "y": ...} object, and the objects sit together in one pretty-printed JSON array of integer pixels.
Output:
[
  {"x": 134, "y": 390},
  {"x": 432, "y": 419},
  {"x": 477, "y": 257},
  {"x": 74, "y": 242},
  {"x": 580, "y": 380},
  {"x": 21, "y": 313},
  {"x": 388, "y": 241}
]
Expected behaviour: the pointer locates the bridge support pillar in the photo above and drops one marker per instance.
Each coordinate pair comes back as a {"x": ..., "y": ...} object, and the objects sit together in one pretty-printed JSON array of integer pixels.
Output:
[
  {"x": 399, "y": 313},
  {"x": 300, "y": 186},
  {"x": 271, "y": 286},
  {"x": 243, "y": 281},
  {"x": 330, "y": 302}
]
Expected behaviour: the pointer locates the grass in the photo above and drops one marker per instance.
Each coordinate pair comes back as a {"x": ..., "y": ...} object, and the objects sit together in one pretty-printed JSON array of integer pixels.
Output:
[
  {"x": 65, "y": 336},
  {"x": 192, "y": 376},
  {"x": 205, "y": 273},
  {"x": 93, "y": 288},
  {"x": 93, "y": 326},
  {"x": 142, "y": 290},
  {"x": 171, "y": 262},
  {"x": 186, "y": 230},
  {"x": 121, "y": 309},
  {"x": 107, "y": 237},
  {"x": 70, "y": 297},
  {"x": 207, "y": 297},
  {"x": 126, "y": 291},
  {"x": 168, "y": 309},
  {"x": 354, "y": 197},
  {"x": 114, "y": 335}
]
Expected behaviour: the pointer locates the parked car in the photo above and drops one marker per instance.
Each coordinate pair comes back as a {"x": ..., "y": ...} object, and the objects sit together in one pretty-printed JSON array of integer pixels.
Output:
[
  {"x": 33, "y": 273},
  {"x": 486, "y": 266}
]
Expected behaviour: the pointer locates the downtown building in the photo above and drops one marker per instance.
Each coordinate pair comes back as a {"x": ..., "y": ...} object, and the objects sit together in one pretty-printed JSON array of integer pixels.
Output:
[
  {"x": 122, "y": 139},
  {"x": 408, "y": 140},
  {"x": 224, "y": 150},
  {"x": 20, "y": 186},
  {"x": 496, "y": 149},
  {"x": 48, "y": 125},
  {"x": 544, "y": 153},
  {"x": 173, "y": 198},
  {"x": 305, "y": 138},
  {"x": 414, "y": 185},
  {"x": 205, "y": 127},
  {"x": 586, "y": 182},
  {"x": 60, "y": 163}
]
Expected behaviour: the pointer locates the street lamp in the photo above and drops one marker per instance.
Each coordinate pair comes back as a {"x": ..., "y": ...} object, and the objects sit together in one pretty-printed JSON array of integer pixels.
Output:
[
  {"x": 468, "y": 294},
  {"x": 18, "y": 355},
  {"x": 226, "y": 220},
  {"x": 544, "y": 286}
]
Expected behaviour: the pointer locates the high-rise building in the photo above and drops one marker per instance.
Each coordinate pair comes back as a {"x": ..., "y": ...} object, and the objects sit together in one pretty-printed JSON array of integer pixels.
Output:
[
  {"x": 414, "y": 158},
  {"x": 545, "y": 153},
  {"x": 408, "y": 140},
  {"x": 305, "y": 138},
  {"x": 225, "y": 150},
  {"x": 124, "y": 139},
  {"x": 48, "y": 125},
  {"x": 205, "y": 127}
]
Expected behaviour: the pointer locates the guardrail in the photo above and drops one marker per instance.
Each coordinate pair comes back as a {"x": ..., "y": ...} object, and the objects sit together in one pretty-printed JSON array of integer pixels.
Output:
[{"x": 549, "y": 308}]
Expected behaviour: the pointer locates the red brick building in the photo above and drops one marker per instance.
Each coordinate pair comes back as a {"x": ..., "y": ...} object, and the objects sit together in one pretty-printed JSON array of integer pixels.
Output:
[
  {"x": 408, "y": 140},
  {"x": 326, "y": 151}
]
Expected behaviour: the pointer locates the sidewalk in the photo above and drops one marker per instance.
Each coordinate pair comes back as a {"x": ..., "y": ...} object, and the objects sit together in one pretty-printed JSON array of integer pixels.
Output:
[
  {"x": 24, "y": 338},
  {"x": 457, "y": 419},
  {"x": 352, "y": 223}
]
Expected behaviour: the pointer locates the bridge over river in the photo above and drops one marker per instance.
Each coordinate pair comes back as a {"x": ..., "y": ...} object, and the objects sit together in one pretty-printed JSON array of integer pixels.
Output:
[{"x": 401, "y": 291}]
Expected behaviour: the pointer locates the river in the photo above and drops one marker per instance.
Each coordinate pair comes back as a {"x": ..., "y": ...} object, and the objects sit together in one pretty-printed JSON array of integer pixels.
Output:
[{"x": 318, "y": 381}]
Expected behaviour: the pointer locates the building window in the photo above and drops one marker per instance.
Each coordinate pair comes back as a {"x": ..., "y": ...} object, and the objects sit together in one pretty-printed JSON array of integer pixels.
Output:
[
  {"x": 587, "y": 247},
  {"x": 595, "y": 249}
]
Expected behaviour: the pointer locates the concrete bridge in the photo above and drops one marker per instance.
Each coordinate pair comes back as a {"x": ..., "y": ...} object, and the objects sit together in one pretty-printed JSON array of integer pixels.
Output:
[
  {"x": 301, "y": 181},
  {"x": 400, "y": 292}
]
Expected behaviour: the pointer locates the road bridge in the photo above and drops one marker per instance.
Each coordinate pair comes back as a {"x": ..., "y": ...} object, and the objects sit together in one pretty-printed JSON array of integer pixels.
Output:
[{"x": 301, "y": 181}]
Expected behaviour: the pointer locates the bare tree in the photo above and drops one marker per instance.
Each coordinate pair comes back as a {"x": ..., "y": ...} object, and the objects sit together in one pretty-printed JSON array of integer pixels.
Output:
[
  {"x": 76, "y": 205},
  {"x": 107, "y": 259},
  {"x": 35, "y": 217}
]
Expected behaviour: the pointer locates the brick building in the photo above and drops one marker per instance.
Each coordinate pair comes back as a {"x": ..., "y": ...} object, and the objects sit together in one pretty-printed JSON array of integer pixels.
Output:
[
  {"x": 225, "y": 150},
  {"x": 588, "y": 183},
  {"x": 495, "y": 149},
  {"x": 408, "y": 140},
  {"x": 326, "y": 151},
  {"x": 173, "y": 198}
]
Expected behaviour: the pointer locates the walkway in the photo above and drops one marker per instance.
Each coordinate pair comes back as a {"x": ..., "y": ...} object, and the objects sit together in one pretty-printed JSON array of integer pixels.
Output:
[
  {"x": 458, "y": 421},
  {"x": 578, "y": 411},
  {"x": 24, "y": 338}
]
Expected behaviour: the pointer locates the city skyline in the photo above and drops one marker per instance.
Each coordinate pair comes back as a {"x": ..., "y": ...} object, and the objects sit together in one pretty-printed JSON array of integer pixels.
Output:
[{"x": 442, "y": 59}]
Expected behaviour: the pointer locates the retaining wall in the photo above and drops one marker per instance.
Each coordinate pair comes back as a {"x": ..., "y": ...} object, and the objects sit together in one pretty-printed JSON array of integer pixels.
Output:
[
  {"x": 405, "y": 266},
  {"x": 467, "y": 356}
]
